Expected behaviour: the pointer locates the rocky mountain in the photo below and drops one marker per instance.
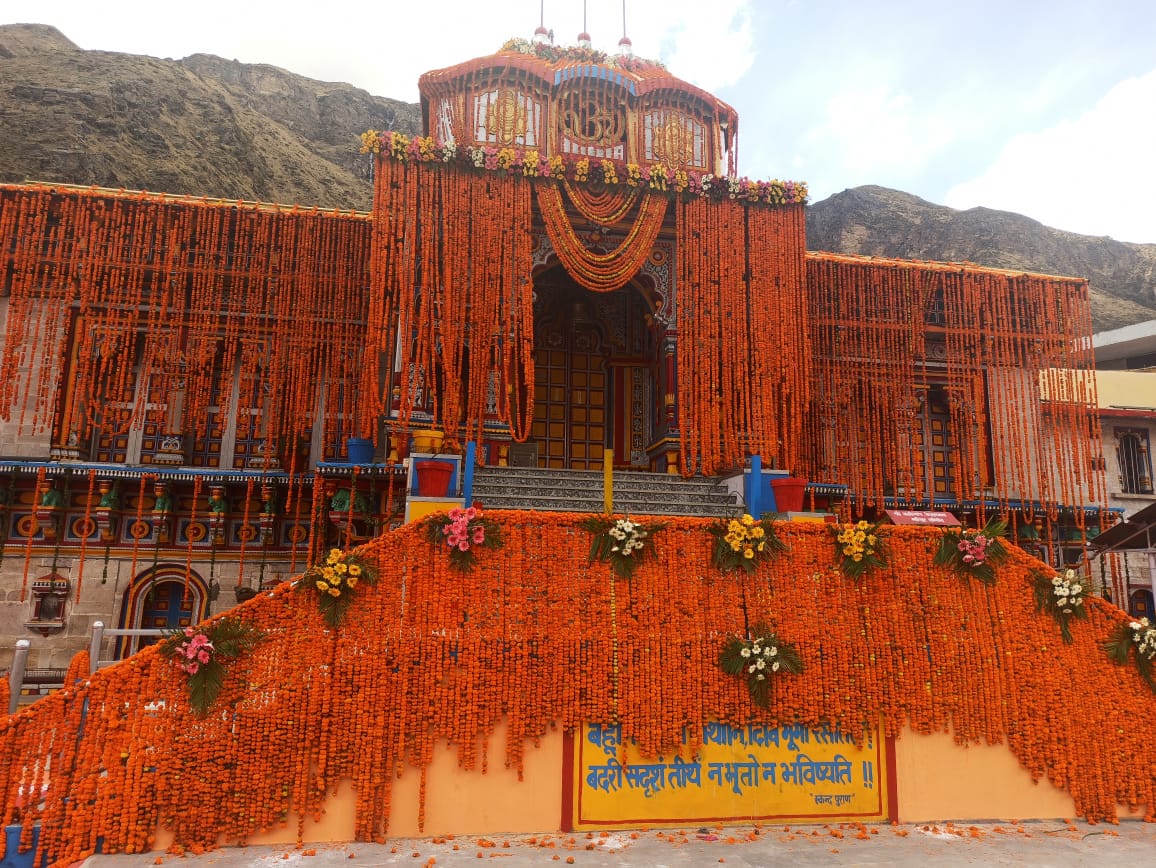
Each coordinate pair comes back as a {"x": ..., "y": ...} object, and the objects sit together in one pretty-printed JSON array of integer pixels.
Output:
[
  {"x": 201, "y": 125},
  {"x": 876, "y": 221},
  {"x": 208, "y": 126}
]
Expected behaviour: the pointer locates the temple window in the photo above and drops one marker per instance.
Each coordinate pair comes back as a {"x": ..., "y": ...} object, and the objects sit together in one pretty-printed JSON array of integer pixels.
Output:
[
  {"x": 936, "y": 314},
  {"x": 674, "y": 138},
  {"x": 1134, "y": 460},
  {"x": 49, "y": 595},
  {"x": 505, "y": 117},
  {"x": 592, "y": 124}
]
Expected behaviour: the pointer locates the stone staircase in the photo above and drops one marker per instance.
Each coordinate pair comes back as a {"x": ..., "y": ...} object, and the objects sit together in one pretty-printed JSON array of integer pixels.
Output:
[{"x": 635, "y": 492}]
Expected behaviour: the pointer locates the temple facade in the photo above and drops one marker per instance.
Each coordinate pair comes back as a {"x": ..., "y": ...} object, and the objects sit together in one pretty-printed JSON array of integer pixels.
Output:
[{"x": 565, "y": 270}]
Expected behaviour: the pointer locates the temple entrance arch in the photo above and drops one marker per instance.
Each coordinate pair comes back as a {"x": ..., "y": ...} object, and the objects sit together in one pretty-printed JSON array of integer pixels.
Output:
[
  {"x": 594, "y": 361},
  {"x": 157, "y": 599}
]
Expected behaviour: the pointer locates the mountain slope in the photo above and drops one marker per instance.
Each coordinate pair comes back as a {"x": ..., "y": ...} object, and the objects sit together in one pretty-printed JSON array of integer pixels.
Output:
[
  {"x": 201, "y": 126},
  {"x": 876, "y": 221}
]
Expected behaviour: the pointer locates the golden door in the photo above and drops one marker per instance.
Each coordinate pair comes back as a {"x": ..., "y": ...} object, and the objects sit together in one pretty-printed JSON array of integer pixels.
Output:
[{"x": 570, "y": 402}]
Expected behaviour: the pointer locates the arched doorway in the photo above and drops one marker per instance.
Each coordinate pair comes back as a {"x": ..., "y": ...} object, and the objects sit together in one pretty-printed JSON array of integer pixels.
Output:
[
  {"x": 593, "y": 370},
  {"x": 1141, "y": 604},
  {"x": 157, "y": 599}
]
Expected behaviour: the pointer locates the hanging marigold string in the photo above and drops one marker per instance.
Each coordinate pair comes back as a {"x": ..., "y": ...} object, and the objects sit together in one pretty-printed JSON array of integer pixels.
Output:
[
  {"x": 312, "y": 706},
  {"x": 606, "y": 206},
  {"x": 451, "y": 263},
  {"x": 601, "y": 272},
  {"x": 990, "y": 356},
  {"x": 187, "y": 292},
  {"x": 742, "y": 322}
]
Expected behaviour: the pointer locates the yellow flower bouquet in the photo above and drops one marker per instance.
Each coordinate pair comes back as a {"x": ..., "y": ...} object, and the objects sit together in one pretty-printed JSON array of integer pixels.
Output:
[
  {"x": 744, "y": 542},
  {"x": 335, "y": 581},
  {"x": 859, "y": 547}
]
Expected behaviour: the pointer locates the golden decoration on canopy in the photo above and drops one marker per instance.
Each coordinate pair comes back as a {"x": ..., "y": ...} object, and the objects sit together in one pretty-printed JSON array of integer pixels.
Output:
[
  {"x": 673, "y": 141},
  {"x": 506, "y": 118}
]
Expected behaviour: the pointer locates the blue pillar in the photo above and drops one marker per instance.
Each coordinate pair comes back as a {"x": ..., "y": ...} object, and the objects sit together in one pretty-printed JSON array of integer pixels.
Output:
[
  {"x": 753, "y": 483},
  {"x": 468, "y": 472}
]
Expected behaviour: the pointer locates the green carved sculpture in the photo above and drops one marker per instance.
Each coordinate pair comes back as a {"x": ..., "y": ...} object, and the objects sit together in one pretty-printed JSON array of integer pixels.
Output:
[
  {"x": 340, "y": 502},
  {"x": 110, "y": 499}
]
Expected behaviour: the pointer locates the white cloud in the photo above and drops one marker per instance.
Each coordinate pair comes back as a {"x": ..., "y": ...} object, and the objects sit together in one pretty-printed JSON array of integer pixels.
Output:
[
  {"x": 710, "y": 51},
  {"x": 871, "y": 130},
  {"x": 1094, "y": 173}
]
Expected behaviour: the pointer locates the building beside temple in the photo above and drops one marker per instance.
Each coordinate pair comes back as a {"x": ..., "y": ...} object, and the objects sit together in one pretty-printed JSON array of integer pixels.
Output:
[
  {"x": 566, "y": 267},
  {"x": 1126, "y": 391}
]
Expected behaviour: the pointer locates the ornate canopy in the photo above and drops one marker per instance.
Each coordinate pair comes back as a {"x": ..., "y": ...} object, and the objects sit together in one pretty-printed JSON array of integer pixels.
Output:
[{"x": 581, "y": 102}]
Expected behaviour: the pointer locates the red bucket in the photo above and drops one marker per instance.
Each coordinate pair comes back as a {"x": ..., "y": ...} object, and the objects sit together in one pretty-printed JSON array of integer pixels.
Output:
[
  {"x": 433, "y": 478},
  {"x": 788, "y": 493}
]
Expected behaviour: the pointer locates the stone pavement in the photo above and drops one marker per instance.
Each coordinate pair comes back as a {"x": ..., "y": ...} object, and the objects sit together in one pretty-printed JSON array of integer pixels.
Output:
[{"x": 1054, "y": 843}]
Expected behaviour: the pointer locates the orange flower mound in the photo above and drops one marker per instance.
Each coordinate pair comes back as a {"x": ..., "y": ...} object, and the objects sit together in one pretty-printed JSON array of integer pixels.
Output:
[{"x": 536, "y": 634}]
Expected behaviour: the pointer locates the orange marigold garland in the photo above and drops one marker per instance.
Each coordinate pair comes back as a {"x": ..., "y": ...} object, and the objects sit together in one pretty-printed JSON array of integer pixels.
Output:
[
  {"x": 430, "y": 656},
  {"x": 1002, "y": 340},
  {"x": 335, "y": 581},
  {"x": 463, "y": 531},
  {"x": 158, "y": 284}
]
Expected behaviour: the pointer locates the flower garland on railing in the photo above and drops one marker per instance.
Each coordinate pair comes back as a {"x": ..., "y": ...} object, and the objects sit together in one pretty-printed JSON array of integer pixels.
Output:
[
  {"x": 759, "y": 658},
  {"x": 201, "y": 653},
  {"x": 620, "y": 542},
  {"x": 1062, "y": 597},
  {"x": 859, "y": 547},
  {"x": 335, "y": 581},
  {"x": 463, "y": 532},
  {"x": 1139, "y": 637},
  {"x": 744, "y": 543},
  {"x": 974, "y": 553},
  {"x": 581, "y": 170}
]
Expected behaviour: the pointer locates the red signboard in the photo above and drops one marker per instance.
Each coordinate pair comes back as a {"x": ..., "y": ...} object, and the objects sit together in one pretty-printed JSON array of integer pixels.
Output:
[{"x": 922, "y": 517}]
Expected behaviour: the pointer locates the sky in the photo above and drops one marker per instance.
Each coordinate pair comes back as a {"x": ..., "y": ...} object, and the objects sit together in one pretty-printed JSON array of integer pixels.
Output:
[{"x": 1042, "y": 107}]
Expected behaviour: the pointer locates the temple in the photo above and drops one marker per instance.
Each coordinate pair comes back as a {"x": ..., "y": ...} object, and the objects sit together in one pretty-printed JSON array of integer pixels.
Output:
[
  {"x": 565, "y": 270},
  {"x": 565, "y": 303}
]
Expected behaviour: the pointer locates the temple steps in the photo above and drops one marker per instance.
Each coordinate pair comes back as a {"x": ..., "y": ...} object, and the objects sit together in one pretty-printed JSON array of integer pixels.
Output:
[{"x": 635, "y": 492}]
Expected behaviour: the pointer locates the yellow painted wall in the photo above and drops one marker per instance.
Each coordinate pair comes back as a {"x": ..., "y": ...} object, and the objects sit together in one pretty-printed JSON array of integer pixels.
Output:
[
  {"x": 1135, "y": 389},
  {"x": 417, "y": 508},
  {"x": 940, "y": 780},
  {"x": 937, "y": 780},
  {"x": 457, "y": 802}
]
